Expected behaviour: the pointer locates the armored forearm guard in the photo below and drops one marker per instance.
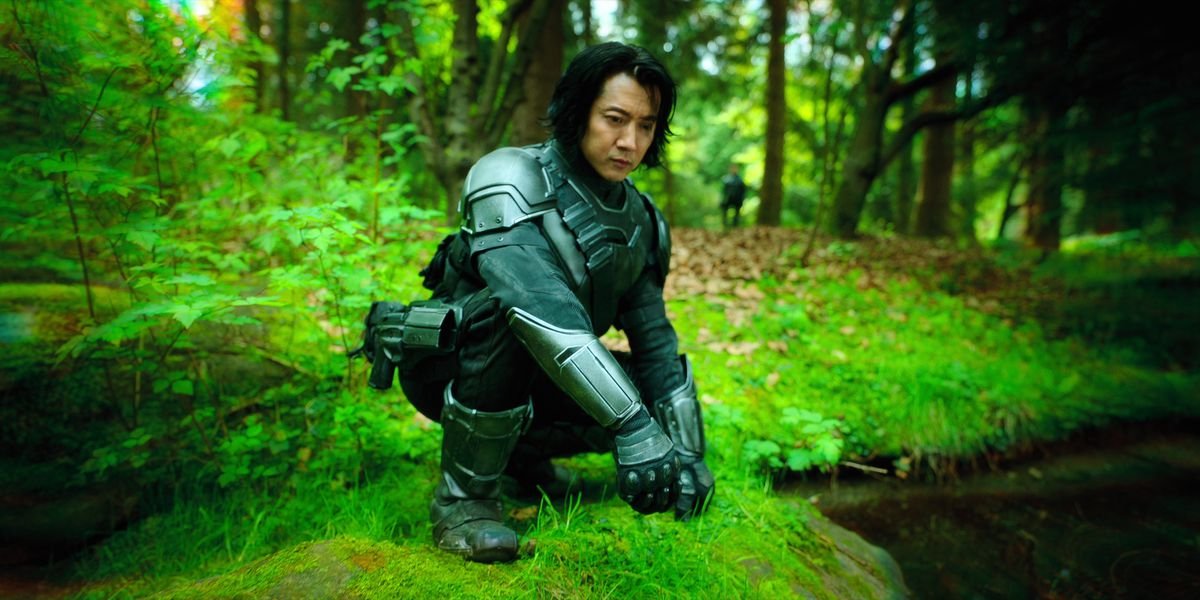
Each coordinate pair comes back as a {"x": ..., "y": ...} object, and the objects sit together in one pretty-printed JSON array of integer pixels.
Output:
[
  {"x": 579, "y": 364},
  {"x": 679, "y": 413}
]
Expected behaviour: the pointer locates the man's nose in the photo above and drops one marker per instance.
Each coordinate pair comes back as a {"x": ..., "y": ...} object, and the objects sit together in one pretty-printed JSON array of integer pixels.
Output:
[{"x": 627, "y": 139}]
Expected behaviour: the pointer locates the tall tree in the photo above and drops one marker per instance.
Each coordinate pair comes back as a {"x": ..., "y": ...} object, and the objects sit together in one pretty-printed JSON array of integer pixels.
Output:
[
  {"x": 866, "y": 157},
  {"x": 544, "y": 71},
  {"x": 480, "y": 97},
  {"x": 349, "y": 25},
  {"x": 1043, "y": 204},
  {"x": 771, "y": 196},
  {"x": 906, "y": 170},
  {"x": 967, "y": 194},
  {"x": 284, "y": 38},
  {"x": 937, "y": 169},
  {"x": 254, "y": 39}
]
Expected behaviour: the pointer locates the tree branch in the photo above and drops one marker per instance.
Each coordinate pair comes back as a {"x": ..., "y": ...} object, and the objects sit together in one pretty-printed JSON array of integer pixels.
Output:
[
  {"x": 31, "y": 52},
  {"x": 903, "y": 29},
  {"x": 927, "y": 118},
  {"x": 464, "y": 69},
  {"x": 495, "y": 69},
  {"x": 418, "y": 105},
  {"x": 514, "y": 91},
  {"x": 95, "y": 105},
  {"x": 899, "y": 91}
]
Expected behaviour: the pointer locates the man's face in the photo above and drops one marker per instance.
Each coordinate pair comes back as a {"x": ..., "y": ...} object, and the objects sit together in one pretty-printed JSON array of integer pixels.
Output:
[{"x": 620, "y": 127}]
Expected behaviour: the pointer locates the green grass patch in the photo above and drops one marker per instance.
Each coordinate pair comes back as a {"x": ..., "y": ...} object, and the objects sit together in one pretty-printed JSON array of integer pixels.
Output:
[{"x": 796, "y": 374}]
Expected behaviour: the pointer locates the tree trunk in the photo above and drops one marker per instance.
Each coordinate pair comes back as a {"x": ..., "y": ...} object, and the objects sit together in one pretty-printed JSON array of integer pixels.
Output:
[
  {"x": 862, "y": 162},
  {"x": 771, "y": 196},
  {"x": 350, "y": 25},
  {"x": 480, "y": 103},
  {"x": 967, "y": 195},
  {"x": 254, "y": 38},
  {"x": 937, "y": 169},
  {"x": 539, "y": 81},
  {"x": 906, "y": 169},
  {"x": 1043, "y": 207},
  {"x": 589, "y": 34},
  {"x": 285, "y": 55},
  {"x": 1010, "y": 208}
]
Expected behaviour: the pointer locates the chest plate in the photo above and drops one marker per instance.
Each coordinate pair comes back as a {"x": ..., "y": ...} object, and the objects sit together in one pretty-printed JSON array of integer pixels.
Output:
[{"x": 604, "y": 247}]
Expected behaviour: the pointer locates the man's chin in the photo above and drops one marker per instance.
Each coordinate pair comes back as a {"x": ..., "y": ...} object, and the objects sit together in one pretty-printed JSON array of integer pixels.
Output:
[{"x": 616, "y": 174}]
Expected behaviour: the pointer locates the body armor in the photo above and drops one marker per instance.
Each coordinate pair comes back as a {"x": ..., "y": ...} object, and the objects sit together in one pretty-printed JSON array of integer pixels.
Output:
[{"x": 603, "y": 245}]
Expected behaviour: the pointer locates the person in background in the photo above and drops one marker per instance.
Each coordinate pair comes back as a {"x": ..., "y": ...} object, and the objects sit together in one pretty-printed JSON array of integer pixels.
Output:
[
  {"x": 733, "y": 194},
  {"x": 557, "y": 246}
]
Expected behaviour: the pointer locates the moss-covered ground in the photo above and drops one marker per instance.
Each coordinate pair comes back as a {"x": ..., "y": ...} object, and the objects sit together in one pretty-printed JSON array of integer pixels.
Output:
[{"x": 910, "y": 360}]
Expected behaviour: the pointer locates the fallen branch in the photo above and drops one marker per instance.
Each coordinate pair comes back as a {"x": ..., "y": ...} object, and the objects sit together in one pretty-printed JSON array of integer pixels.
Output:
[{"x": 864, "y": 468}]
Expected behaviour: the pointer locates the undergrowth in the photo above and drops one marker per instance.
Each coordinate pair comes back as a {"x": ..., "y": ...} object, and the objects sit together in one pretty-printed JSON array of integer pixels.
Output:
[{"x": 838, "y": 370}]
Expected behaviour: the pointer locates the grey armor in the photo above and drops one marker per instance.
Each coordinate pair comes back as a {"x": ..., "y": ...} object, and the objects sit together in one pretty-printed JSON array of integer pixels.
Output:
[
  {"x": 579, "y": 364},
  {"x": 541, "y": 248}
]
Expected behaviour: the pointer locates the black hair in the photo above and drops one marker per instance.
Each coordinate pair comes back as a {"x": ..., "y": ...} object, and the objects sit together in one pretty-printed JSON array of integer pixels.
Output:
[{"x": 571, "y": 105}]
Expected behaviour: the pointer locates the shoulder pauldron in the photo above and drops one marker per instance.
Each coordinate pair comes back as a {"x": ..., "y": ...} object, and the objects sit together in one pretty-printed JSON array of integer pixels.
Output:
[{"x": 504, "y": 188}]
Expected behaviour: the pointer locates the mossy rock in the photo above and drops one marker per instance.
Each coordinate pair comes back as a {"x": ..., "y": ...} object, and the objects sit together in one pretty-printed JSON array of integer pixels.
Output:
[{"x": 611, "y": 553}]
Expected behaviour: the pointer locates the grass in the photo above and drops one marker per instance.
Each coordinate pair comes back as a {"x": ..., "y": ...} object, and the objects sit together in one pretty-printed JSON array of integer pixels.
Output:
[
  {"x": 250, "y": 544},
  {"x": 913, "y": 376}
]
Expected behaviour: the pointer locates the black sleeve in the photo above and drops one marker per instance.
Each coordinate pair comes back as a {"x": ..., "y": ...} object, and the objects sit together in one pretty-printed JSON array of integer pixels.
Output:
[
  {"x": 528, "y": 276},
  {"x": 652, "y": 340}
]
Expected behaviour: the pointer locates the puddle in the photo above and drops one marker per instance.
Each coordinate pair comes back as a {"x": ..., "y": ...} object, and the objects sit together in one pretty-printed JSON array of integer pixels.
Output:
[{"x": 1112, "y": 522}]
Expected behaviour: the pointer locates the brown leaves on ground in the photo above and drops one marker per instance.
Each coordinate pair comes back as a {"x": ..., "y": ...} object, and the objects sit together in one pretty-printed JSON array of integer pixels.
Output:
[{"x": 731, "y": 263}]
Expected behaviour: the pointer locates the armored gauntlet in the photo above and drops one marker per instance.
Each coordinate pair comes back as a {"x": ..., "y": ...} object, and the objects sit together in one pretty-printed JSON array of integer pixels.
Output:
[
  {"x": 679, "y": 414},
  {"x": 647, "y": 464}
]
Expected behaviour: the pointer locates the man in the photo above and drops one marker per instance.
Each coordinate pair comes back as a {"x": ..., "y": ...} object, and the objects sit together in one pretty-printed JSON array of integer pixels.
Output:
[
  {"x": 556, "y": 247},
  {"x": 733, "y": 194}
]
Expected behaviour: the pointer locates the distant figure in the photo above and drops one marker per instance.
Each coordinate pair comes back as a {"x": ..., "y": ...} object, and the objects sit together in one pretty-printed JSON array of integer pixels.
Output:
[{"x": 733, "y": 193}]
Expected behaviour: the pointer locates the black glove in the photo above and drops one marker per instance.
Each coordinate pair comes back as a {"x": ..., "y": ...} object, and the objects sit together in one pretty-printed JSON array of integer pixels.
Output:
[
  {"x": 696, "y": 485},
  {"x": 375, "y": 316},
  {"x": 380, "y": 334},
  {"x": 647, "y": 466}
]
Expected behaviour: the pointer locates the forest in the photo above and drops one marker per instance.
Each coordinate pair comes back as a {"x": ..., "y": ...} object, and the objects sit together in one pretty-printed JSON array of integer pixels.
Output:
[{"x": 970, "y": 242}]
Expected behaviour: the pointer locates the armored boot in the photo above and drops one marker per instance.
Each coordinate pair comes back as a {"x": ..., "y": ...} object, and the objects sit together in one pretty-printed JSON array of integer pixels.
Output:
[{"x": 466, "y": 509}]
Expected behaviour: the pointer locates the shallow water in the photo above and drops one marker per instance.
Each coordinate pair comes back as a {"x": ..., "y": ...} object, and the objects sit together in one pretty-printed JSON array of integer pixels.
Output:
[{"x": 1101, "y": 520}]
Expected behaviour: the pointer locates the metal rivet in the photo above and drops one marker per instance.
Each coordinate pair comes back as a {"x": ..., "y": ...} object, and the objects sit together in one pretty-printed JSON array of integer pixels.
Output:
[
  {"x": 498, "y": 220},
  {"x": 500, "y": 239}
]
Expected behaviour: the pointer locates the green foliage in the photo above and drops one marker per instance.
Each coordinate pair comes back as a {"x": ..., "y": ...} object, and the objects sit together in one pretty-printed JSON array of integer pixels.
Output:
[
  {"x": 850, "y": 365},
  {"x": 225, "y": 258},
  {"x": 816, "y": 442}
]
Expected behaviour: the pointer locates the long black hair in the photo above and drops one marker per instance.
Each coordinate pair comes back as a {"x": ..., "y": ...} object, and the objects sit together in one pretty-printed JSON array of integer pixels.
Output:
[{"x": 582, "y": 83}]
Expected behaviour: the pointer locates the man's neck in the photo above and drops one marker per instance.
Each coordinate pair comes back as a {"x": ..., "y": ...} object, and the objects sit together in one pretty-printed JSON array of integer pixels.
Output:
[{"x": 582, "y": 172}]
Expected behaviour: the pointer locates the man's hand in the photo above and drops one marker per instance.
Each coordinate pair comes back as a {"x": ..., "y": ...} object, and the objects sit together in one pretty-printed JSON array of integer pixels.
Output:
[
  {"x": 647, "y": 466},
  {"x": 371, "y": 325},
  {"x": 696, "y": 485}
]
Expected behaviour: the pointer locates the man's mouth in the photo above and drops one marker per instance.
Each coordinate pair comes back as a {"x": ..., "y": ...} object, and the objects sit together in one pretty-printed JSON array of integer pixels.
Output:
[{"x": 624, "y": 164}]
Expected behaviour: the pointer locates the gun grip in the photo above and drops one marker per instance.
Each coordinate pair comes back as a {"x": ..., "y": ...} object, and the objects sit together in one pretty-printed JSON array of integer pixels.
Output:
[{"x": 383, "y": 372}]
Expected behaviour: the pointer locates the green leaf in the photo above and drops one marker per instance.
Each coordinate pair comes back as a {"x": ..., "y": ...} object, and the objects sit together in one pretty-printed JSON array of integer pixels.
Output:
[
  {"x": 145, "y": 239},
  {"x": 829, "y": 450},
  {"x": 187, "y": 315},
  {"x": 799, "y": 460},
  {"x": 51, "y": 166},
  {"x": 229, "y": 146},
  {"x": 183, "y": 387},
  {"x": 341, "y": 77},
  {"x": 199, "y": 279}
]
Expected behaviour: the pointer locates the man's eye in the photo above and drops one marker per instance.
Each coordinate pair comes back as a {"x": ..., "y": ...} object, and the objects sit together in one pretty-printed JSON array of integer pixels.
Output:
[
  {"x": 613, "y": 119},
  {"x": 647, "y": 127}
]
